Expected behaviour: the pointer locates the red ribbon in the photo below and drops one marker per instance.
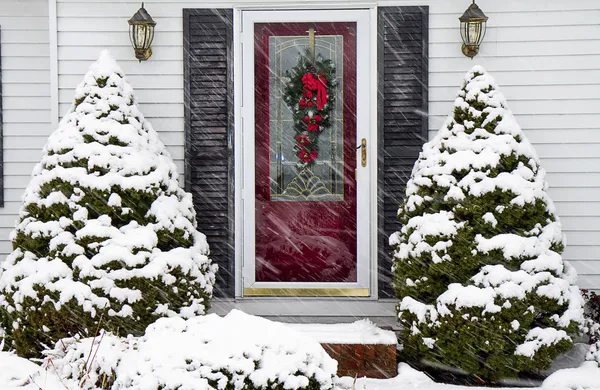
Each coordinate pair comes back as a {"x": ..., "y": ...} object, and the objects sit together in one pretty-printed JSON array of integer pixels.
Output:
[{"x": 321, "y": 92}]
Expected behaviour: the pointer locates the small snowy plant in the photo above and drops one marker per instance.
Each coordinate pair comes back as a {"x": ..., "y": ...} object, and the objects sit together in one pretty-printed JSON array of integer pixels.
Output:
[
  {"x": 238, "y": 351},
  {"x": 106, "y": 237},
  {"x": 477, "y": 262}
]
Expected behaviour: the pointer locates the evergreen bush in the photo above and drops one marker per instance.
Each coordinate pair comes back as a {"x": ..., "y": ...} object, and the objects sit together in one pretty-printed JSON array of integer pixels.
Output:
[
  {"x": 477, "y": 262},
  {"x": 106, "y": 237}
]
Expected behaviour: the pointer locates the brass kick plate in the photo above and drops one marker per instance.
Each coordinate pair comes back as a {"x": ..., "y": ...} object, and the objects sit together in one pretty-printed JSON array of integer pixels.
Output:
[{"x": 306, "y": 292}]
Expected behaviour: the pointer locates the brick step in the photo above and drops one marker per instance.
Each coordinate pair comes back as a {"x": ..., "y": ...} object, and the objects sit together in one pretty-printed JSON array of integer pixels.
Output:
[
  {"x": 360, "y": 348},
  {"x": 358, "y": 360}
]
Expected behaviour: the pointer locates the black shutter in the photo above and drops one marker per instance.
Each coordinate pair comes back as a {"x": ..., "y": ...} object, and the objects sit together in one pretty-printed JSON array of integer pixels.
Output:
[
  {"x": 208, "y": 88},
  {"x": 403, "y": 80}
]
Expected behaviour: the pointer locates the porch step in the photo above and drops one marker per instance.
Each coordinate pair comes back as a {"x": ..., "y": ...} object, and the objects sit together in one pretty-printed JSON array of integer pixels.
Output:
[{"x": 360, "y": 348}]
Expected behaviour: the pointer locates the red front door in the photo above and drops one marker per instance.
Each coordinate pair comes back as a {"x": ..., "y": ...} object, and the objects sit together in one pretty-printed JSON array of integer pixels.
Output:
[{"x": 305, "y": 152}]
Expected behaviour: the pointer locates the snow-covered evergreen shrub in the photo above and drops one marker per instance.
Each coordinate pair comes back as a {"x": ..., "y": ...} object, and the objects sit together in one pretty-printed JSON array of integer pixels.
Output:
[
  {"x": 105, "y": 235},
  {"x": 477, "y": 262},
  {"x": 237, "y": 351}
]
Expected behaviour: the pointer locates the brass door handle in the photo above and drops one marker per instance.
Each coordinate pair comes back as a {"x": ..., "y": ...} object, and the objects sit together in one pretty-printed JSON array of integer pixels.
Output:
[{"x": 363, "y": 152}]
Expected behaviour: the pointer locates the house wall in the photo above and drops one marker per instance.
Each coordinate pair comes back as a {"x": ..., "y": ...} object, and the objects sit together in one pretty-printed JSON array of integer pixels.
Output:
[
  {"x": 545, "y": 55},
  {"x": 25, "y": 100}
]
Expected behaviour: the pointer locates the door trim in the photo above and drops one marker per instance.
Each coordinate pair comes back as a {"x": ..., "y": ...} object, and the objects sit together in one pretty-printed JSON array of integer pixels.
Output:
[{"x": 366, "y": 285}]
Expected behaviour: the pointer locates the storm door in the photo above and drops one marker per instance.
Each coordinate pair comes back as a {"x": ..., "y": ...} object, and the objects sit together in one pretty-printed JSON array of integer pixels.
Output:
[{"x": 304, "y": 154}]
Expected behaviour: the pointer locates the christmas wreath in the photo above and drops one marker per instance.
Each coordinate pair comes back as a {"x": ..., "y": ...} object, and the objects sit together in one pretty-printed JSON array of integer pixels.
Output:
[{"x": 308, "y": 94}]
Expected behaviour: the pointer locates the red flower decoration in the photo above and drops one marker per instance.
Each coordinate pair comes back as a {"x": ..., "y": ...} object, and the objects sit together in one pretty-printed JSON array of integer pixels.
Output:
[
  {"x": 302, "y": 104},
  {"x": 306, "y": 119},
  {"x": 317, "y": 118},
  {"x": 309, "y": 103},
  {"x": 307, "y": 157},
  {"x": 306, "y": 93},
  {"x": 302, "y": 139},
  {"x": 309, "y": 81},
  {"x": 312, "y": 127}
]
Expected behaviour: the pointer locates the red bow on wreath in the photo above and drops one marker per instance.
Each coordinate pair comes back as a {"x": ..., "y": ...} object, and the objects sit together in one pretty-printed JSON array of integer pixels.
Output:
[
  {"x": 321, "y": 92},
  {"x": 313, "y": 84}
]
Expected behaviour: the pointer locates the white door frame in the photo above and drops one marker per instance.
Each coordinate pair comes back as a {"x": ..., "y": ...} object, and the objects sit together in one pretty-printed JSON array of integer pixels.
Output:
[{"x": 244, "y": 143}]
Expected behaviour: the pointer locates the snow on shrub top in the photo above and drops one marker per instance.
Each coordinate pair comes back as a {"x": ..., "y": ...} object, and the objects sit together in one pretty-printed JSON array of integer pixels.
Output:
[
  {"x": 479, "y": 230},
  {"x": 461, "y": 146},
  {"x": 201, "y": 353},
  {"x": 103, "y": 212}
]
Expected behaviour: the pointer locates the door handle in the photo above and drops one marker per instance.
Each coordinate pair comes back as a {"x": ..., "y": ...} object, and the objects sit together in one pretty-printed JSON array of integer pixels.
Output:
[{"x": 363, "y": 152}]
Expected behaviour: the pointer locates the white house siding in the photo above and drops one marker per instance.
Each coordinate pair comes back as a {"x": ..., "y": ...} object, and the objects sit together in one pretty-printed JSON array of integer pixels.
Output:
[
  {"x": 544, "y": 53},
  {"x": 25, "y": 100}
]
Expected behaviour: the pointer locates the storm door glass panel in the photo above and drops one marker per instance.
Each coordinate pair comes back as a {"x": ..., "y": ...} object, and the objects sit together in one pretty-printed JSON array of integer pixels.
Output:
[
  {"x": 305, "y": 221},
  {"x": 324, "y": 179}
]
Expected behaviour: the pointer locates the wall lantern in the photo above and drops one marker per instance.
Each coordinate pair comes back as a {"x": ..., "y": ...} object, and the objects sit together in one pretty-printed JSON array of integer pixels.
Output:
[
  {"x": 141, "y": 33},
  {"x": 472, "y": 29}
]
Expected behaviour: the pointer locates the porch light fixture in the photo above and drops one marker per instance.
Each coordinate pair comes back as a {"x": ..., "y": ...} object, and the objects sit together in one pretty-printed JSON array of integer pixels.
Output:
[
  {"x": 472, "y": 29},
  {"x": 141, "y": 33}
]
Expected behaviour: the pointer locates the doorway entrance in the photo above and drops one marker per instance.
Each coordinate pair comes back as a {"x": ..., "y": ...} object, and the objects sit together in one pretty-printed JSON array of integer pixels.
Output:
[{"x": 306, "y": 144}]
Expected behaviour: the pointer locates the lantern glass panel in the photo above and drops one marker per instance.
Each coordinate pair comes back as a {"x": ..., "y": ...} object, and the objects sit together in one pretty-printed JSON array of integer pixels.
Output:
[
  {"x": 463, "y": 32},
  {"x": 149, "y": 35},
  {"x": 133, "y": 36},
  {"x": 472, "y": 33},
  {"x": 140, "y": 37},
  {"x": 480, "y": 32}
]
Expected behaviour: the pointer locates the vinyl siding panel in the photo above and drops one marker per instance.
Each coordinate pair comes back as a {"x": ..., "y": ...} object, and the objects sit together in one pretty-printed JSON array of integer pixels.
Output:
[
  {"x": 25, "y": 101},
  {"x": 544, "y": 54}
]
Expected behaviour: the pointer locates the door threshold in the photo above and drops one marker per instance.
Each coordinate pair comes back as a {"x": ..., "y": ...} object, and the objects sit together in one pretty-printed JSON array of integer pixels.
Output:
[{"x": 307, "y": 307}]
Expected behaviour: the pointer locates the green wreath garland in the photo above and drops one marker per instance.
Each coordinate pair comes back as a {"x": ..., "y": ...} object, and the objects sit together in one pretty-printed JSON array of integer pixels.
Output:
[{"x": 309, "y": 95}]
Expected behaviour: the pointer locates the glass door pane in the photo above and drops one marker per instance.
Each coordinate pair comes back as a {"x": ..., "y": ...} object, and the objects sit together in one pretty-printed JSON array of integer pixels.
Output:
[{"x": 305, "y": 152}]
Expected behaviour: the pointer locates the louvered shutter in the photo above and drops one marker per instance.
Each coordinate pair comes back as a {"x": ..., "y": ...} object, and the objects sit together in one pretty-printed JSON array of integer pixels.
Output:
[
  {"x": 402, "y": 115},
  {"x": 208, "y": 88}
]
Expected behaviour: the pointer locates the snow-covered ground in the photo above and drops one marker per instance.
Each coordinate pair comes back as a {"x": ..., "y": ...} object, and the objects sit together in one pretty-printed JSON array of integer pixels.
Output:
[
  {"x": 20, "y": 374},
  {"x": 187, "y": 354}
]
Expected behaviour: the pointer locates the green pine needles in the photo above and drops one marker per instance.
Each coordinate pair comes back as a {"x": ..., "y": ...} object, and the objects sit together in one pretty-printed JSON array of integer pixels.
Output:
[
  {"x": 106, "y": 237},
  {"x": 477, "y": 262}
]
